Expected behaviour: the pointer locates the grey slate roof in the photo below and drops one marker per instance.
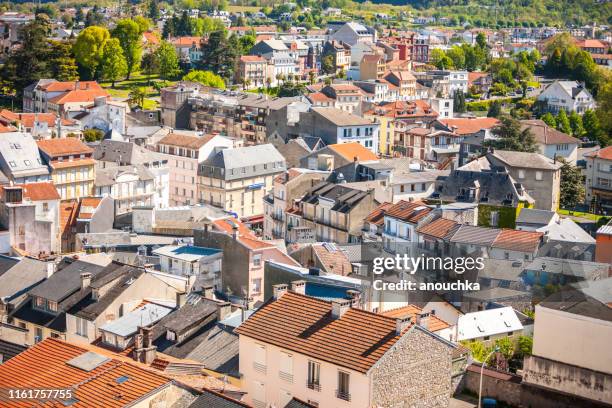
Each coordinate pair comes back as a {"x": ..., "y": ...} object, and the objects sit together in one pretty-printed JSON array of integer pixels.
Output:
[
  {"x": 243, "y": 162},
  {"x": 296, "y": 403},
  {"x": 19, "y": 155},
  {"x": 16, "y": 281},
  {"x": 526, "y": 160},
  {"x": 210, "y": 399},
  {"x": 470, "y": 234},
  {"x": 124, "y": 153},
  {"x": 108, "y": 176},
  {"x": 535, "y": 217},
  {"x": 589, "y": 299},
  {"x": 341, "y": 118},
  {"x": 345, "y": 198},
  {"x": 9, "y": 350},
  {"x": 66, "y": 280},
  {"x": 6, "y": 263}
]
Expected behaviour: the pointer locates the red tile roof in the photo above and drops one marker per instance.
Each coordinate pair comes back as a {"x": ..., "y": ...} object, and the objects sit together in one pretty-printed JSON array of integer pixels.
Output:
[
  {"x": 42, "y": 191},
  {"x": 515, "y": 240},
  {"x": 435, "y": 323},
  {"x": 353, "y": 149},
  {"x": 439, "y": 228},
  {"x": 45, "y": 366},
  {"x": 28, "y": 119},
  {"x": 186, "y": 41},
  {"x": 71, "y": 86},
  {"x": 408, "y": 211},
  {"x": 546, "y": 135},
  {"x": 63, "y": 147},
  {"x": 252, "y": 58},
  {"x": 319, "y": 97},
  {"x": 466, "y": 126},
  {"x": 377, "y": 217},
  {"x": 334, "y": 261},
  {"x": 188, "y": 141},
  {"x": 299, "y": 323},
  {"x": 67, "y": 213},
  {"x": 605, "y": 153},
  {"x": 226, "y": 225},
  {"x": 87, "y": 96}
]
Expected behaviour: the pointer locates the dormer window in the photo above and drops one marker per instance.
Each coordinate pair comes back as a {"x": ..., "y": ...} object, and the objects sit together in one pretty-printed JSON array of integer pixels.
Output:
[
  {"x": 170, "y": 335},
  {"x": 39, "y": 302}
]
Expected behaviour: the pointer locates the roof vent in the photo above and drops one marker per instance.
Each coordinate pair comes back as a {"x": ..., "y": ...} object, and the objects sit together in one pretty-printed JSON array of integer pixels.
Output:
[
  {"x": 88, "y": 361},
  {"x": 122, "y": 379}
]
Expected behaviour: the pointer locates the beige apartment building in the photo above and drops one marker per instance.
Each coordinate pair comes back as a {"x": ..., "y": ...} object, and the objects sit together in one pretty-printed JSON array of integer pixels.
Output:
[
  {"x": 335, "y": 355},
  {"x": 185, "y": 152},
  {"x": 71, "y": 164},
  {"x": 237, "y": 180}
]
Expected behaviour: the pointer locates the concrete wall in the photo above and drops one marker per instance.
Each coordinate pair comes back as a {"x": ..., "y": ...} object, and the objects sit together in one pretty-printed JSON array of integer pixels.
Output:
[
  {"x": 507, "y": 390},
  {"x": 416, "y": 372},
  {"x": 102, "y": 220}
]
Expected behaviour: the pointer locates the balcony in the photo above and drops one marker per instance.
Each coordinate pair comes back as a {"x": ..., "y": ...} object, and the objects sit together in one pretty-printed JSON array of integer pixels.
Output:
[
  {"x": 285, "y": 376},
  {"x": 343, "y": 395},
  {"x": 277, "y": 217},
  {"x": 315, "y": 386}
]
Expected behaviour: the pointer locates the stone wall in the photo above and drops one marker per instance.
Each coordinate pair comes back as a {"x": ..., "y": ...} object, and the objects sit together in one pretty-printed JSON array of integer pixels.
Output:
[
  {"x": 502, "y": 386},
  {"x": 416, "y": 372}
]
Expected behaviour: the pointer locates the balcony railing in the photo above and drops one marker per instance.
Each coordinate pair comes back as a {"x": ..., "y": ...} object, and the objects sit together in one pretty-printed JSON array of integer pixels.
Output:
[
  {"x": 343, "y": 395},
  {"x": 259, "y": 367},
  {"x": 285, "y": 376},
  {"x": 313, "y": 386}
]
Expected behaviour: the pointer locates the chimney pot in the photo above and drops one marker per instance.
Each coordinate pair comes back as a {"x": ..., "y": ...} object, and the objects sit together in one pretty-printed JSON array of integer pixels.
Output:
[
  {"x": 279, "y": 290},
  {"x": 402, "y": 324},
  {"x": 208, "y": 292},
  {"x": 422, "y": 319},
  {"x": 340, "y": 307},
  {"x": 85, "y": 280},
  {"x": 299, "y": 286},
  {"x": 223, "y": 310},
  {"x": 181, "y": 299},
  {"x": 354, "y": 296}
]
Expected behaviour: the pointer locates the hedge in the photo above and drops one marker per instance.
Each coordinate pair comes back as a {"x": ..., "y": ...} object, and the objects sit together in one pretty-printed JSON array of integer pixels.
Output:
[{"x": 484, "y": 105}]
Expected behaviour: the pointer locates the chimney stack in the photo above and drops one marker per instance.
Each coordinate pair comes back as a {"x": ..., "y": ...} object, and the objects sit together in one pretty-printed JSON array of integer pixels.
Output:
[
  {"x": 208, "y": 292},
  {"x": 144, "y": 350},
  {"x": 50, "y": 269},
  {"x": 235, "y": 231},
  {"x": 402, "y": 324},
  {"x": 85, "y": 280},
  {"x": 223, "y": 310},
  {"x": 340, "y": 307},
  {"x": 354, "y": 296},
  {"x": 181, "y": 299},
  {"x": 299, "y": 286},
  {"x": 422, "y": 319},
  {"x": 279, "y": 290}
]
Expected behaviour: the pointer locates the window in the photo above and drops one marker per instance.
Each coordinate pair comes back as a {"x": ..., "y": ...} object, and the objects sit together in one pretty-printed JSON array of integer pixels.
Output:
[
  {"x": 494, "y": 218},
  {"x": 343, "y": 386},
  {"x": 510, "y": 334},
  {"x": 521, "y": 174},
  {"x": 259, "y": 394},
  {"x": 286, "y": 367},
  {"x": 81, "y": 327},
  {"x": 52, "y": 306},
  {"x": 314, "y": 376},
  {"x": 170, "y": 335},
  {"x": 256, "y": 285},
  {"x": 259, "y": 358},
  {"x": 38, "y": 335},
  {"x": 40, "y": 302},
  {"x": 538, "y": 175},
  {"x": 487, "y": 337}
]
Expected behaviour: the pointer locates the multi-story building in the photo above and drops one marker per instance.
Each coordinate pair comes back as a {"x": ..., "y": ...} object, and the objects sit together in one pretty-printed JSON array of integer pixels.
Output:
[
  {"x": 400, "y": 223},
  {"x": 335, "y": 212},
  {"x": 252, "y": 71},
  {"x": 353, "y": 33},
  {"x": 175, "y": 111},
  {"x": 189, "y": 49},
  {"x": 405, "y": 82},
  {"x": 425, "y": 144},
  {"x": 551, "y": 142},
  {"x": 184, "y": 153},
  {"x": 30, "y": 212},
  {"x": 340, "y": 54},
  {"x": 346, "y": 97},
  {"x": 71, "y": 164},
  {"x": 598, "y": 174},
  {"x": 238, "y": 179},
  {"x": 372, "y": 66},
  {"x": 278, "y": 362},
  {"x": 284, "y": 62},
  {"x": 40, "y": 125},
  {"x": 10, "y": 30},
  {"x": 20, "y": 159},
  {"x": 287, "y": 187},
  {"x": 49, "y": 95},
  {"x": 129, "y": 186},
  {"x": 569, "y": 96}
]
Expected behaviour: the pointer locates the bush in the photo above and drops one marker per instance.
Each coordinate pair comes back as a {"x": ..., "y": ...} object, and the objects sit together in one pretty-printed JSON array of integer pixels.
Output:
[{"x": 93, "y": 135}]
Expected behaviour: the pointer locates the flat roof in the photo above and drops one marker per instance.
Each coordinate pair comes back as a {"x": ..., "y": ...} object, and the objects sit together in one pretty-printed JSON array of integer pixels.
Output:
[{"x": 188, "y": 253}]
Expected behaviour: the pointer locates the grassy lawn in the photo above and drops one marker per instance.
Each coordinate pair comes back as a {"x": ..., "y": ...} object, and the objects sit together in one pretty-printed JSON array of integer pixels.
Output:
[
  {"x": 589, "y": 216},
  {"x": 122, "y": 88}
]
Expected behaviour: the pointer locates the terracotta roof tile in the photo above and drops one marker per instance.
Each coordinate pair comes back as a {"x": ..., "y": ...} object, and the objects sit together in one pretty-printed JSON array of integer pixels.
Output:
[
  {"x": 605, "y": 153},
  {"x": 88, "y": 96},
  {"x": 408, "y": 211},
  {"x": 466, "y": 126},
  {"x": 186, "y": 41},
  {"x": 67, "y": 212},
  {"x": 299, "y": 323},
  {"x": 28, "y": 119},
  {"x": 252, "y": 58},
  {"x": 44, "y": 366},
  {"x": 63, "y": 147},
  {"x": 439, "y": 228},
  {"x": 42, "y": 191},
  {"x": 187, "y": 141},
  {"x": 377, "y": 217},
  {"x": 435, "y": 323},
  {"x": 515, "y": 240},
  {"x": 70, "y": 86},
  {"x": 353, "y": 149},
  {"x": 226, "y": 225},
  {"x": 546, "y": 135},
  {"x": 334, "y": 261}
]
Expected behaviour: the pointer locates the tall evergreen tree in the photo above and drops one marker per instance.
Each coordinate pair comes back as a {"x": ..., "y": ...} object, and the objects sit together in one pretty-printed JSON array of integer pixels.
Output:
[
  {"x": 510, "y": 136},
  {"x": 563, "y": 123}
]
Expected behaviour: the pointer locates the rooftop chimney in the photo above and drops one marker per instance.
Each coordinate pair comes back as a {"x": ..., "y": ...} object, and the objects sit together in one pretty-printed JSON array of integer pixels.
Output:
[
  {"x": 299, "y": 286},
  {"x": 85, "y": 280},
  {"x": 181, "y": 298},
  {"x": 223, "y": 310},
  {"x": 279, "y": 290},
  {"x": 402, "y": 324},
  {"x": 340, "y": 307},
  {"x": 50, "y": 269},
  {"x": 144, "y": 350},
  {"x": 235, "y": 231},
  {"x": 422, "y": 319},
  {"x": 208, "y": 292},
  {"x": 354, "y": 296}
]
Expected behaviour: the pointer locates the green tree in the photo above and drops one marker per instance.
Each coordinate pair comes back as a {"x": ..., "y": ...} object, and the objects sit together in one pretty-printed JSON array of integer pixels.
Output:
[
  {"x": 92, "y": 135},
  {"x": 457, "y": 55},
  {"x": 525, "y": 346},
  {"x": 168, "y": 60},
  {"x": 506, "y": 347},
  {"x": 153, "y": 11},
  {"x": 604, "y": 111},
  {"x": 481, "y": 40},
  {"x": 150, "y": 64},
  {"x": 129, "y": 34},
  {"x": 220, "y": 54},
  {"x": 592, "y": 128},
  {"x": 563, "y": 123},
  {"x": 144, "y": 24},
  {"x": 89, "y": 46},
  {"x": 440, "y": 60},
  {"x": 549, "y": 119},
  {"x": 576, "y": 124},
  {"x": 137, "y": 95},
  {"x": 459, "y": 102},
  {"x": 494, "y": 109},
  {"x": 327, "y": 64},
  {"x": 114, "y": 65},
  {"x": 207, "y": 78},
  {"x": 478, "y": 350},
  {"x": 572, "y": 186},
  {"x": 246, "y": 43},
  {"x": 510, "y": 136}
]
